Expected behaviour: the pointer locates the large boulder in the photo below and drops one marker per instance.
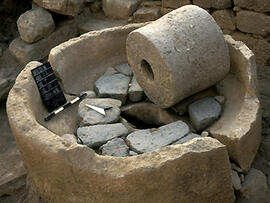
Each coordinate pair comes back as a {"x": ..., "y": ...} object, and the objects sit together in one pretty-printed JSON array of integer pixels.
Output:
[{"x": 35, "y": 24}]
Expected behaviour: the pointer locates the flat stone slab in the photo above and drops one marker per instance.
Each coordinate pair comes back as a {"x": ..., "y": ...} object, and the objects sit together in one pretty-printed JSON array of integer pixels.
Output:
[
  {"x": 204, "y": 112},
  {"x": 115, "y": 147},
  {"x": 99, "y": 134},
  {"x": 146, "y": 140},
  {"x": 135, "y": 92},
  {"x": 114, "y": 86},
  {"x": 124, "y": 68},
  {"x": 91, "y": 117},
  {"x": 187, "y": 138}
]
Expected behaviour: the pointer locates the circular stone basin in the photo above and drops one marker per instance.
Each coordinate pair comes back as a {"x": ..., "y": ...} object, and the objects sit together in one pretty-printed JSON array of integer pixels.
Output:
[{"x": 197, "y": 171}]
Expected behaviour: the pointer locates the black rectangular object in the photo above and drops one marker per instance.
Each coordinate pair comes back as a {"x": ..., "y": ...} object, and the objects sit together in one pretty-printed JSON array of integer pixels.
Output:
[{"x": 48, "y": 86}]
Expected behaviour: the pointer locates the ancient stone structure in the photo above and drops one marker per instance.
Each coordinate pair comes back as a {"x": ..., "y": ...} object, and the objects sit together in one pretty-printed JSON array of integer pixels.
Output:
[{"x": 177, "y": 55}]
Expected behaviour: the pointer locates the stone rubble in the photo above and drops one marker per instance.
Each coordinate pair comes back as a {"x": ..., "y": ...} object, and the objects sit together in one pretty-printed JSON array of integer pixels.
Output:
[
  {"x": 114, "y": 86},
  {"x": 204, "y": 112},
  {"x": 124, "y": 69},
  {"x": 236, "y": 181},
  {"x": 115, "y": 147},
  {"x": 135, "y": 92},
  {"x": 97, "y": 135},
  {"x": 35, "y": 24},
  {"x": 147, "y": 140},
  {"x": 187, "y": 138},
  {"x": 91, "y": 117}
]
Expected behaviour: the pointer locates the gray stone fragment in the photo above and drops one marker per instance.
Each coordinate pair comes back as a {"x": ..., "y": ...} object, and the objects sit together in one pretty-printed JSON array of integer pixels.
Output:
[
  {"x": 236, "y": 168},
  {"x": 236, "y": 180},
  {"x": 115, "y": 147},
  {"x": 91, "y": 117},
  {"x": 114, "y": 86},
  {"x": 110, "y": 71},
  {"x": 4, "y": 88},
  {"x": 187, "y": 138},
  {"x": 35, "y": 24},
  {"x": 132, "y": 153},
  {"x": 124, "y": 68},
  {"x": 204, "y": 112},
  {"x": 147, "y": 141},
  {"x": 220, "y": 99},
  {"x": 99, "y": 134},
  {"x": 255, "y": 182},
  {"x": 135, "y": 92},
  {"x": 205, "y": 134}
]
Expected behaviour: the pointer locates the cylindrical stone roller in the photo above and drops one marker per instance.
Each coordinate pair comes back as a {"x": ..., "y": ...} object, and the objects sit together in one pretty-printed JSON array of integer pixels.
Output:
[{"x": 178, "y": 55}]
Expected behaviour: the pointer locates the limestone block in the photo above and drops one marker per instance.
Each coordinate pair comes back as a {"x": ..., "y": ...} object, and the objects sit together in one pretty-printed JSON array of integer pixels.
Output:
[
  {"x": 90, "y": 117},
  {"x": 169, "y": 69},
  {"x": 114, "y": 86},
  {"x": 239, "y": 126},
  {"x": 151, "y": 3},
  {"x": 115, "y": 147},
  {"x": 65, "y": 7},
  {"x": 99, "y": 134},
  {"x": 145, "y": 14},
  {"x": 120, "y": 9},
  {"x": 256, "y": 5},
  {"x": 218, "y": 4},
  {"x": 204, "y": 112},
  {"x": 35, "y": 24},
  {"x": 124, "y": 69},
  {"x": 174, "y": 3},
  {"x": 253, "y": 22},
  {"x": 225, "y": 19},
  {"x": 25, "y": 52},
  {"x": 259, "y": 46},
  {"x": 146, "y": 141}
]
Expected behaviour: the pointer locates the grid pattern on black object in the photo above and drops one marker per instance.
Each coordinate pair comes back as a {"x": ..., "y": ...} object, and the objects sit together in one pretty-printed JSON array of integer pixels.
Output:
[{"x": 50, "y": 91}]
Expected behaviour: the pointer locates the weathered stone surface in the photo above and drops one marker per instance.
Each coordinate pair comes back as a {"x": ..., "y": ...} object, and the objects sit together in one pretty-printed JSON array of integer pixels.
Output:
[
  {"x": 182, "y": 107},
  {"x": 35, "y": 24},
  {"x": 112, "y": 40},
  {"x": 65, "y": 7},
  {"x": 70, "y": 138},
  {"x": 124, "y": 68},
  {"x": 135, "y": 92},
  {"x": 115, "y": 147},
  {"x": 151, "y": 3},
  {"x": 174, "y": 3},
  {"x": 91, "y": 117},
  {"x": 12, "y": 171},
  {"x": 99, "y": 134},
  {"x": 205, "y": 134},
  {"x": 120, "y": 9},
  {"x": 114, "y": 86},
  {"x": 257, "y": 5},
  {"x": 52, "y": 163},
  {"x": 145, "y": 14},
  {"x": 96, "y": 6},
  {"x": 259, "y": 46},
  {"x": 147, "y": 140},
  {"x": 164, "y": 11},
  {"x": 225, "y": 19},
  {"x": 149, "y": 113},
  {"x": 4, "y": 88},
  {"x": 110, "y": 71},
  {"x": 218, "y": 4},
  {"x": 25, "y": 52},
  {"x": 255, "y": 182},
  {"x": 204, "y": 112},
  {"x": 253, "y": 22},
  {"x": 132, "y": 153},
  {"x": 239, "y": 126},
  {"x": 158, "y": 58},
  {"x": 236, "y": 181},
  {"x": 187, "y": 138},
  {"x": 98, "y": 22},
  {"x": 220, "y": 99}
]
